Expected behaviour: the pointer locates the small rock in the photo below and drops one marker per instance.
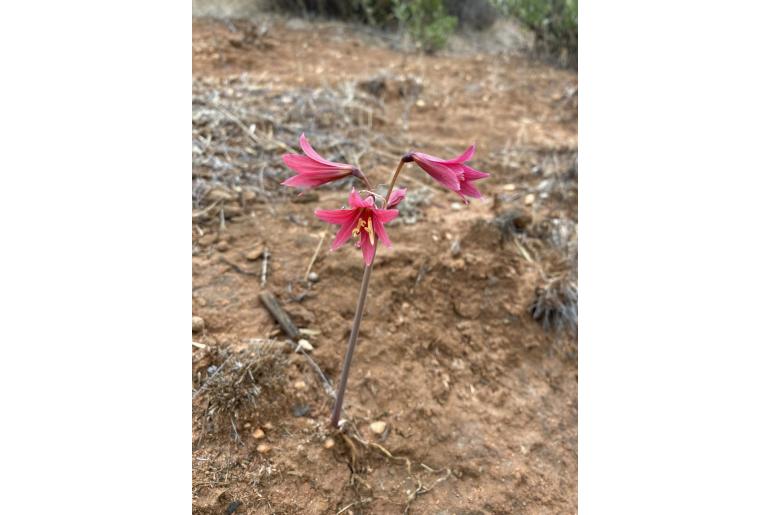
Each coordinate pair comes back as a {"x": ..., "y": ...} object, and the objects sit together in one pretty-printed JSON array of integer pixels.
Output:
[
  {"x": 378, "y": 427},
  {"x": 529, "y": 199},
  {"x": 198, "y": 324},
  {"x": 222, "y": 246},
  {"x": 258, "y": 434},
  {"x": 300, "y": 385},
  {"x": 300, "y": 410},
  {"x": 304, "y": 345},
  {"x": 521, "y": 220},
  {"x": 254, "y": 254},
  {"x": 509, "y": 187},
  {"x": 232, "y": 210},
  {"x": 263, "y": 448},
  {"x": 456, "y": 206},
  {"x": 312, "y": 277},
  {"x": 219, "y": 194},
  {"x": 232, "y": 507},
  {"x": 328, "y": 443},
  {"x": 455, "y": 248},
  {"x": 207, "y": 240}
]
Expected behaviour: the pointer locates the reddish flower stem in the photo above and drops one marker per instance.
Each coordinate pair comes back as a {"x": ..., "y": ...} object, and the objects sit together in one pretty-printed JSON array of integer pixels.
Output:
[
  {"x": 337, "y": 410},
  {"x": 393, "y": 180}
]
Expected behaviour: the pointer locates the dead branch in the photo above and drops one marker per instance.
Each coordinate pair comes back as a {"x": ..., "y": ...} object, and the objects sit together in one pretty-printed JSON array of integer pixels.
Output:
[{"x": 280, "y": 316}]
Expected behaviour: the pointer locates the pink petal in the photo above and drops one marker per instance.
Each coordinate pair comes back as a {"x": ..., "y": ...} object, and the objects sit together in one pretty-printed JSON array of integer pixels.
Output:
[
  {"x": 428, "y": 157},
  {"x": 379, "y": 230},
  {"x": 310, "y": 180},
  {"x": 465, "y": 156},
  {"x": 443, "y": 174},
  {"x": 385, "y": 215},
  {"x": 472, "y": 174},
  {"x": 303, "y": 164},
  {"x": 396, "y": 197},
  {"x": 344, "y": 234},
  {"x": 312, "y": 154},
  {"x": 467, "y": 188},
  {"x": 367, "y": 248},
  {"x": 354, "y": 200},
  {"x": 335, "y": 216}
]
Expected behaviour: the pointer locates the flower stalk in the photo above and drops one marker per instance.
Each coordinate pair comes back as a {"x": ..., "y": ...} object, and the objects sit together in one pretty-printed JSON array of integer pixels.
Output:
[
  {"x": 337, "y": 410},
  {"x": 353, "y": 340}
]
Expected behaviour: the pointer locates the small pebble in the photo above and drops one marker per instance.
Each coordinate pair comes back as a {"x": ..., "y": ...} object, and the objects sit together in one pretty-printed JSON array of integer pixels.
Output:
[
  {"x": 300, "y": 385},
  {"x": 304, "y": 345},
  {"x": 378, "y": 427},
  {"x": 222, "y": 246},
  {"x": 312, "y": 277},
  {"x": 509, "y": 187},
  {"x": 263, "y": 448},
  {"x": 455, "y": 248},
  {"x": 207, "y": 240},
  {"x": 198, "y": 324},
  {"x": 232, "y": 507},
  {"x": 254, "y": 254},
  {"x": 258, "y": 434},
  {"x": 300, "y": 410},
  {"x": 328, "y": 443},
  {"x": 456, "y": 206},
  {"x": 529, "y": 199}
]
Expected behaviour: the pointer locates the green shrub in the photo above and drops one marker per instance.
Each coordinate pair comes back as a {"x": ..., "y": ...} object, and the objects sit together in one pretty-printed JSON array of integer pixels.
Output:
[
  {"x": 426, "y": 20},
  {"x": 554, "y": 22}
]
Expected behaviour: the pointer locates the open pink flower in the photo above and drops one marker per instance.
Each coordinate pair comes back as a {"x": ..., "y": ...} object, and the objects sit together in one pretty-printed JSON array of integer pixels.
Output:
[
  {"x": 312, "y": 169},
  {"x": 361, "y": 219},
  {"x": 452, "y": 173}
]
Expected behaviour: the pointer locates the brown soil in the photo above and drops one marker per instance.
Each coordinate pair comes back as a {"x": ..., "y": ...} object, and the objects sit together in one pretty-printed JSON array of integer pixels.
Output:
[{"x": 479, "y": 401}]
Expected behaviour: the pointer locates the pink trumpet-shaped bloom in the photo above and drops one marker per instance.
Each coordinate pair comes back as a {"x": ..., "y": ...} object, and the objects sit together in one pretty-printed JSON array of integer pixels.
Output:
[
  {"x": 312, "y": 169},
  {"x": 362, "y": 219},
  {"x": 452, "y": 173}
]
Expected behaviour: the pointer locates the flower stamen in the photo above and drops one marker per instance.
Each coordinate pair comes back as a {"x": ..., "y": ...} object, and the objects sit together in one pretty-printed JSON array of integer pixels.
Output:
[{"x": 366, "y": 226}]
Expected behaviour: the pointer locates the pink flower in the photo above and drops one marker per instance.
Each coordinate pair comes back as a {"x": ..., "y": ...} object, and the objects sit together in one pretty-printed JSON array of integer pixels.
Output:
[
  {"x": 452, "y": 173},
  {"x": 312, "y": 169},
  {"x": 362, "y": 219}
]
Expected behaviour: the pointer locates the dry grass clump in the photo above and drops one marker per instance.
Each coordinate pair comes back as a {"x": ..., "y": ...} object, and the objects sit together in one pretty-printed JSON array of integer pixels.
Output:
[
  {"x": 238, "y": 384},
  {"x": 555, "y": 305}
]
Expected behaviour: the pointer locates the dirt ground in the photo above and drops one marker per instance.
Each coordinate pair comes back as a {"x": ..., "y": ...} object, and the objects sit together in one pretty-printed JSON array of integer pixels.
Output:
[{"x": 478, "y": 399}]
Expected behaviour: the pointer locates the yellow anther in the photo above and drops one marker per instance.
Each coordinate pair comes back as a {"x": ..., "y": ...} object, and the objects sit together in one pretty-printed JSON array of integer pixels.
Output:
[
  {"x": 370, "y": 230},
  {"x": 366, "y": 226}
]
